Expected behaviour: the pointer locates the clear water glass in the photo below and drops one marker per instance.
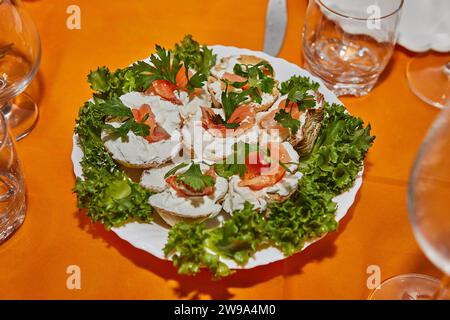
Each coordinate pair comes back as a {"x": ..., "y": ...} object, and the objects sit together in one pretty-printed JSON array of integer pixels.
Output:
[
  {"x": 12, "y": 186},
  {"x": 348, "y": 43}
]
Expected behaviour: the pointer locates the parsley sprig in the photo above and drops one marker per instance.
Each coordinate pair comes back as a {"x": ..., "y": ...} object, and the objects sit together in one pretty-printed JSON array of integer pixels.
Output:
[
  {"x": 230, "y": 101},
  {"x": 165, "y": 65},
  {"x": 193, "y": 177},
  {"x": 286, "y": 120},
  {"x": 235, "y": 164},
  {"x": 259, "y": 79},
  {"x": 114, "y": 108},
  {"x": 296, "y": 89}
]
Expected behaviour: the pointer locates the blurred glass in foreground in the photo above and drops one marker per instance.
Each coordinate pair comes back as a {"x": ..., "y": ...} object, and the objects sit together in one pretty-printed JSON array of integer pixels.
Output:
[{"x": 429, "y": 213}]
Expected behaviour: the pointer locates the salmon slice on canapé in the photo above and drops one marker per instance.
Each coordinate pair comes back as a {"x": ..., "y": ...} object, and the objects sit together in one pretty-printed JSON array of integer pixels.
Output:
[
  {"x": 157, "y": 132},
  {"x": 263, "y": 168},
  {"x": 242, "y": 119},
  {"x": 268, "y": 121}
]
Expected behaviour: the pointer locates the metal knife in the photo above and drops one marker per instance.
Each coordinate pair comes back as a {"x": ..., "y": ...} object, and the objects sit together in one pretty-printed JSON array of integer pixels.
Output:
[{"x": 276, "y": 20}]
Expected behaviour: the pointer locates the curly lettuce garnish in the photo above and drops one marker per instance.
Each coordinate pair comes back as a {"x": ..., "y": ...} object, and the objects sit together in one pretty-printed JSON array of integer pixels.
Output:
[
  {"x": 194, "y": 55},
  {"x": 186, "y": 247},
  {"x": 107, "y": 84},
  {"x": 241, "y": 236},
  {"x": 337, "y": 155},
  {"x": 112, "y": 198},
  {"x": 106, "y": 191}
]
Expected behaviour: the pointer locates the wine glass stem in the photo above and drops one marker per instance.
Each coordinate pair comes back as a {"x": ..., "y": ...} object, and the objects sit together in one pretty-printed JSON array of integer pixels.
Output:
[
  {"x": 447, "y": 69},
  {"x": 442, "y": 291}
]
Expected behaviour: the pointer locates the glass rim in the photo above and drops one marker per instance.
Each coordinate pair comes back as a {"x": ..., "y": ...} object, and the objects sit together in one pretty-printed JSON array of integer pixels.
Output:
[
  {"x": 403, "y": 276},
  {"x": 320, "y": 2}
]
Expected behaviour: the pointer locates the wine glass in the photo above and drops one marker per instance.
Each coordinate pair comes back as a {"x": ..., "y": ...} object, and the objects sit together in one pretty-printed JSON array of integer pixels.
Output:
[
  {"x": 425, "y": 28},
  {"x": 20, "y": 54},
  {"x": 429, "y": 214},
  {"x": 429, "y": 78}
]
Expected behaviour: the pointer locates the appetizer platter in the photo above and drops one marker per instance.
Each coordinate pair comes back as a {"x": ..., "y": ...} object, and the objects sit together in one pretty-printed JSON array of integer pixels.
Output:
[{"x": 216, "y": 157}]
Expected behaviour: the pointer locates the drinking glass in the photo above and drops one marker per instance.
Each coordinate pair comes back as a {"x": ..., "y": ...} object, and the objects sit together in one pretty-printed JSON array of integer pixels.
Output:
[
  {"x": 348, "y": 43},
  {"x": 12, "y": 186},
  {"x": 20, "y": 54},
  {"x": 429, "y": 214}
]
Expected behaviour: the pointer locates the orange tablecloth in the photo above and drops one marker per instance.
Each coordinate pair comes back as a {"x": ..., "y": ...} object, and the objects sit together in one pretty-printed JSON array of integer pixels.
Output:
[{"x": 55, "y": 235}]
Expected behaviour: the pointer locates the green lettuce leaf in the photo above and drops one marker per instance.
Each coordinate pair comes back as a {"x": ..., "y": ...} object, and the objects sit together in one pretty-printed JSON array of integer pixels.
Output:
[
  {"x": 308, "y": 214},
  {"x": 105, "y": 191},
  {"x": 338, "y": 152},
  {"x": 240, "y": 236},
  {"x": 186, "y": 247},
  {"x": 112, "y": 198},
  {"x": 107, "y": 84},
  {"x": 195, "y": 56}
]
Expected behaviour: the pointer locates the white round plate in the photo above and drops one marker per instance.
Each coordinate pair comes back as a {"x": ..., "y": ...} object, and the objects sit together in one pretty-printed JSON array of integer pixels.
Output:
[{"x": 152, "y": 237}]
